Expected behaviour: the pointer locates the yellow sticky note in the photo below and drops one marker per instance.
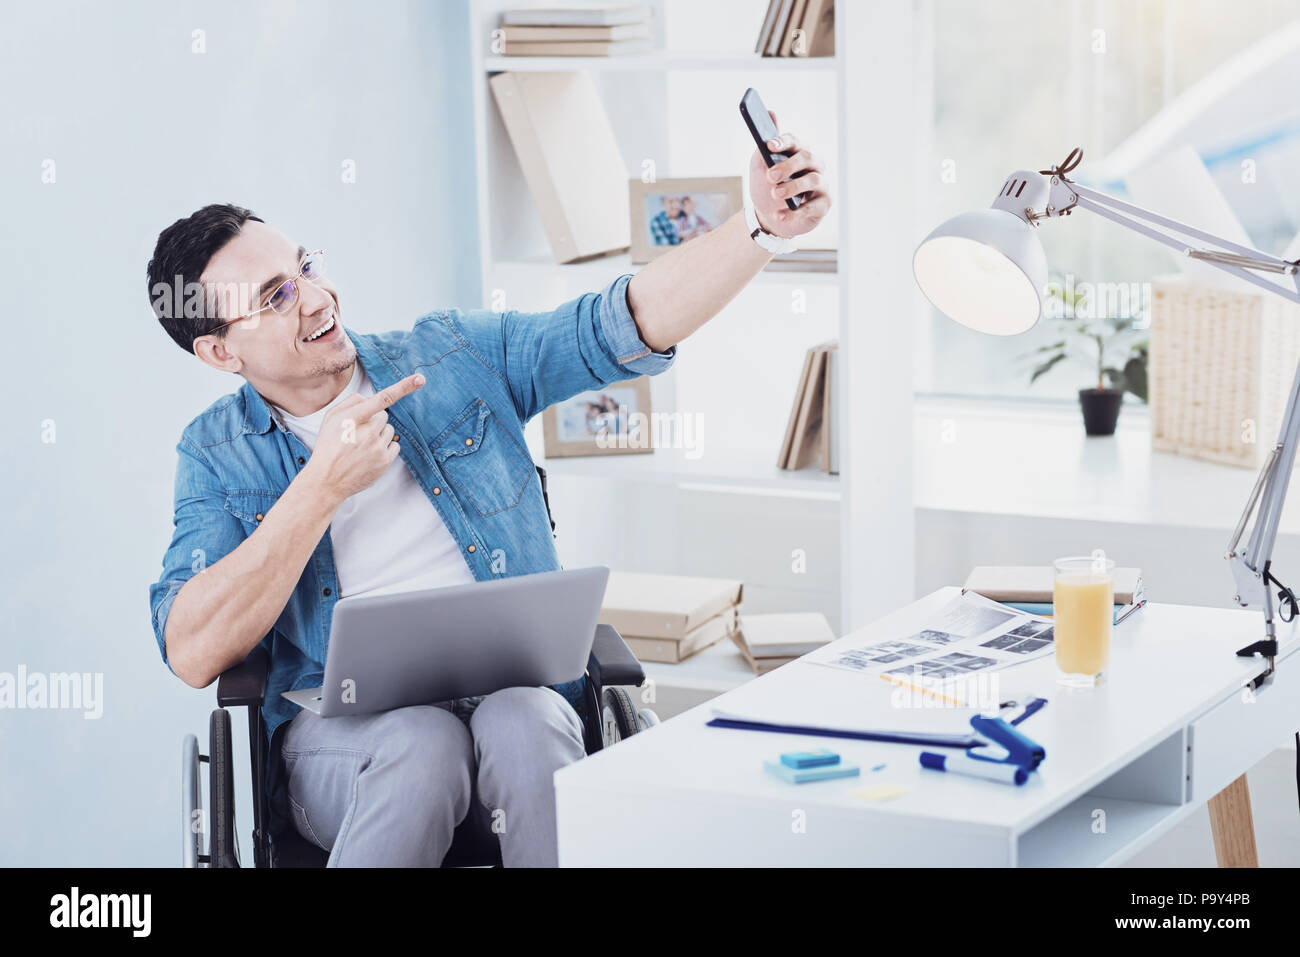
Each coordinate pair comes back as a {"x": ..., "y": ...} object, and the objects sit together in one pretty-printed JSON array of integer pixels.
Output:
[{"x": 880, "y": 792}]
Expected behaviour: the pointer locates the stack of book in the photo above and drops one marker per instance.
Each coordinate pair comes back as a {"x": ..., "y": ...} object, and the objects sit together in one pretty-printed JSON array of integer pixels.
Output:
[
  {"x": 812, "y": 432},
  {"x": 805, "y": 260},
  {"x": 798, "y": 28},
  {"x": 670, "y": 617},
  {"x": 576, "y": 31},
  {"x": 1029, "y": 588},
  {"x": 769, "y": 641}
]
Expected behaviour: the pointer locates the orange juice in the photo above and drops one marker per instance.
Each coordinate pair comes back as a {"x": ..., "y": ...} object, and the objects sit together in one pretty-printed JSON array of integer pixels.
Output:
[{"x": 1083, "y": 611}]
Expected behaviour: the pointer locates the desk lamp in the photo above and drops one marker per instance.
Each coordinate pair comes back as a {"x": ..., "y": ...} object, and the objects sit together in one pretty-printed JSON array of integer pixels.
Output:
[{"x": 987, "y": 270}]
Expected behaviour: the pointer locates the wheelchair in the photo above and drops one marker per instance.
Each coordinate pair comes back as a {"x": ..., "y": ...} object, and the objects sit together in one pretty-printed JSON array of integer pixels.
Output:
[{"x": 608, "y": 716}]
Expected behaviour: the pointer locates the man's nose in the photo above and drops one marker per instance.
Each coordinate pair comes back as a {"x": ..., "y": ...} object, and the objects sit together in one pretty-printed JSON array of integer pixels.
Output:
[{"x": 314, "y": 297}]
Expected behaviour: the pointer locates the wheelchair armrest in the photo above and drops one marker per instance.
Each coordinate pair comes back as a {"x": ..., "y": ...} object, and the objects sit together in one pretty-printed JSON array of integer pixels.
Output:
[
  {"x": 245, "y": 683},
  {"x": 611, "y": 661}
]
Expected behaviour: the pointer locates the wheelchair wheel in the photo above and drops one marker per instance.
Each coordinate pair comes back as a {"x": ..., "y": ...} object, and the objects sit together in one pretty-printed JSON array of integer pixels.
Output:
[
  {"x": 191, "y": 804},
  {"x": 221, "y": 792},
  {"x": 618, "y": 716}
]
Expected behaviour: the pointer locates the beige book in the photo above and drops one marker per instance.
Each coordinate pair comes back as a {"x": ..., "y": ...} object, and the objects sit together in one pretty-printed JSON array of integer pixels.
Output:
[
  {"x": 778, "y": 29},
  {"x": 769, "y": 21},
  {"x": 589, "y": 15},
  {"x": 642, "y": 605},
  {"x": 578, "y": 47},
  {"x": 785, "y": 635},
  {"x": 570, "y": 160},
  {"x": 819, "y": 27},
  {"x": 760, "y": 666},
  {"x": 795, "y": 24},
  {"x": 805, "y": 445},
  {"x": 696, "y": 640},
  {"x": 826, "y": 433},
  {"x": 784, "y": 455},
  {"x": 629, "y": 31},
  {"x": 1033, "y": 583}
]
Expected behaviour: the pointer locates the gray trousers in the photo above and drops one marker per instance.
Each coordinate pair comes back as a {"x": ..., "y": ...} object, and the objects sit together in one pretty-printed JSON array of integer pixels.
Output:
[{"x": 388, "y": 790}]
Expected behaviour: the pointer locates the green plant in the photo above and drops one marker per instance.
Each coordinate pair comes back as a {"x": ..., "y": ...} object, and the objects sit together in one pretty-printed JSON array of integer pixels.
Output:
[{"x": 1113, "y": 346}]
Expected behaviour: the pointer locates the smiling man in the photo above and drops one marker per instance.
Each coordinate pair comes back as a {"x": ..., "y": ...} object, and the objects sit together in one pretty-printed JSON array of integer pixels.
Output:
[{"x": 350, "y": 464}]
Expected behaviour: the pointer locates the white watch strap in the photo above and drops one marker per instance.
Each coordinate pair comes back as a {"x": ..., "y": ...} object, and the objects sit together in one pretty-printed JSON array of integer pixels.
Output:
[{"x": 773, "y": 244}]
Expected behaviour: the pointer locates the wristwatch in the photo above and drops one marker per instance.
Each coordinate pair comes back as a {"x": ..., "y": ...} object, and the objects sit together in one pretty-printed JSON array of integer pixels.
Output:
[{"x": 772, "y": 243}]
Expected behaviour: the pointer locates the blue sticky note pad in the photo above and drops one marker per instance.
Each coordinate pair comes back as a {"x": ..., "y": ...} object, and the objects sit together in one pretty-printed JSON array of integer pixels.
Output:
[
  {"x": 810, "y": 759},
  {"x": 807, "y": 775}
]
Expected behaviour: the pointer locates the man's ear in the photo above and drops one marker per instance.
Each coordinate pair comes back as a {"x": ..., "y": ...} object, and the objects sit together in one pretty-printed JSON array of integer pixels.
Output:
[{"x": 212, "y": 350}]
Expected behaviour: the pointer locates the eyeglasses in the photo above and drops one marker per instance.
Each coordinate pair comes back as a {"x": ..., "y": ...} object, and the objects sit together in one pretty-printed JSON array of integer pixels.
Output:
[{"x": 282, "y": 298}]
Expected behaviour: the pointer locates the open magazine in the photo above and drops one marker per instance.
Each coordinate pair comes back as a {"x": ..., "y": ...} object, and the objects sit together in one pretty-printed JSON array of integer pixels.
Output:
[{"x": 969, "y": 635}]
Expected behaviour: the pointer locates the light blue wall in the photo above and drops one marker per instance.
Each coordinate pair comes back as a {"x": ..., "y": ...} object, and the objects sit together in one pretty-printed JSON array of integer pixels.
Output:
[{"x": 143, "y": 131}]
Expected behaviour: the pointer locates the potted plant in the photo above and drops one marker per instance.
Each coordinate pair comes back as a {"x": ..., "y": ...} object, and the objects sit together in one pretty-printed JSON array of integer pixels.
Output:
[{"x": 1112, "y": 346}]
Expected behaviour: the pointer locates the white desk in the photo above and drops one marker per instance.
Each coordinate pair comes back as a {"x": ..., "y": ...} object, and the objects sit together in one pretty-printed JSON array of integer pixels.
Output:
[{"x": 1170, "y": 729}]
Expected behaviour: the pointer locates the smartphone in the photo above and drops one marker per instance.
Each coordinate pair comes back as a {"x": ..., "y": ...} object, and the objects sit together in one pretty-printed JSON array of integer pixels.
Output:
[{"x": 763, "y": 129}]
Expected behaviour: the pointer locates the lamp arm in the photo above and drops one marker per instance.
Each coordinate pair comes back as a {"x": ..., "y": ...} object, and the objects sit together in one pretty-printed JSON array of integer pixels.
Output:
[{"x": 1237, "y": 260}]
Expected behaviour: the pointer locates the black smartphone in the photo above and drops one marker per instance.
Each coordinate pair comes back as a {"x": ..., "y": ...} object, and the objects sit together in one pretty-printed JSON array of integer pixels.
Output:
[{"x": 763, "y": 129}]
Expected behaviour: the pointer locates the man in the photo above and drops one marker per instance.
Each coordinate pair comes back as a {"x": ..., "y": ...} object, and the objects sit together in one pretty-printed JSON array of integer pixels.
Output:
[
  {"x": 290, "y": 494},
  {"x": 663, "y": 227}
]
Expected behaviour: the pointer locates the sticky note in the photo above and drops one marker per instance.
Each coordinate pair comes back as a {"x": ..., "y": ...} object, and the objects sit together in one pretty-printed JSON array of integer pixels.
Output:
[
  {"x": 880, "y": 792},
  {"x": 809, "y": 759},
  {"x": 806, "y": 775}
]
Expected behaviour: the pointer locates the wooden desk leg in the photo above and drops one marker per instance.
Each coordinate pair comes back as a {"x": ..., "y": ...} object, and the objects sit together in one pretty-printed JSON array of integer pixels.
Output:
[{"x": 1233, "y": 827}]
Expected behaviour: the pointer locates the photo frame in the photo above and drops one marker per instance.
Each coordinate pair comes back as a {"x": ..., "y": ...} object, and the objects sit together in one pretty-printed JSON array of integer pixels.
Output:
[
  {"x": 614, "y": 420},
  {"x": 669, "y": 212}
]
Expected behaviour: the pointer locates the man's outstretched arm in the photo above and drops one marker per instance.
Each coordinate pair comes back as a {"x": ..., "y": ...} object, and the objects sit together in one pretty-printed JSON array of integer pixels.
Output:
[{"x": 680, "y": 291}]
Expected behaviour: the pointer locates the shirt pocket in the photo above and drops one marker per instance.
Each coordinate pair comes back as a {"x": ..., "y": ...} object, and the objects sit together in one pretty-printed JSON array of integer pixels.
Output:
[
  {"x": 250, "y": 507},
  {"x": 487, "y": 464}
]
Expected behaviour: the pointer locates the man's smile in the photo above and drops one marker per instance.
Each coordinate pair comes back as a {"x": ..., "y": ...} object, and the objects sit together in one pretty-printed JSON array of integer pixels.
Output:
[{"x": 325, "y": 331}]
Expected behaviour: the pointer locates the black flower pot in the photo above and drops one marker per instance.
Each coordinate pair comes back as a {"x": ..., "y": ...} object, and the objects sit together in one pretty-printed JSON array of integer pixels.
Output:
[{"x": 1100, "y": 410}]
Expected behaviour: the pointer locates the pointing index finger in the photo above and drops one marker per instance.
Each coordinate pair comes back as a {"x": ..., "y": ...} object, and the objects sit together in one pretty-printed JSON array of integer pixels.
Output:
[{"x": 386, "y": 397}]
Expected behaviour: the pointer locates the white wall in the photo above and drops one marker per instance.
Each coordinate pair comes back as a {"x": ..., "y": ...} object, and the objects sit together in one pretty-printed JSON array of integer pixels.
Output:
[{"x": 143, "y": 131}]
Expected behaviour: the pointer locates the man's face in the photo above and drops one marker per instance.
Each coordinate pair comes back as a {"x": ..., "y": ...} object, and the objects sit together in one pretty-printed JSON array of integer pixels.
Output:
[
  {"x": 272, "y": 350},
  {"x": 672, "y": 206},
  {"x": 688, "y": 206}
]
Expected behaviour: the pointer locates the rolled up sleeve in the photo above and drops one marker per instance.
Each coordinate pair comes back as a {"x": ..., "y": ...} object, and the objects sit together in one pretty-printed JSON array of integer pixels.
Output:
[
  {"x": 623, "y": 337},
  {"x": 547, "y": 357}
]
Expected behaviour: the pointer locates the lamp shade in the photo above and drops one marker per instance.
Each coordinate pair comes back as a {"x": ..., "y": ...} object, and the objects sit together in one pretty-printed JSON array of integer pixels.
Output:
[{"x": 985, "y": 269}]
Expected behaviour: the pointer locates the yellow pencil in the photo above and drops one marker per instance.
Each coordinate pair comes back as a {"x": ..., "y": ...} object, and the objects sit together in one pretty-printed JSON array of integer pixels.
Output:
[{"x": 929, "y": 691}]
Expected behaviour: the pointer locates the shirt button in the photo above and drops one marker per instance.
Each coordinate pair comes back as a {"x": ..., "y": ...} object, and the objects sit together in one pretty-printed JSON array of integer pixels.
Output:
[
  {"x": 301, "y": 460},
  {"x": 328, "y": 592},
  {"x": 259, "y": 516},
  {"x": 436, "y": 490},
  {"x": 470, "y": 549},
  {"x": 469, "y": 441}
]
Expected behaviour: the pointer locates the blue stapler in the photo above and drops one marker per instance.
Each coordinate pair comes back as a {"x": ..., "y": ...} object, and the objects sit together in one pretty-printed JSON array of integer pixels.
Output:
[{"x": 1005, "y": 754}]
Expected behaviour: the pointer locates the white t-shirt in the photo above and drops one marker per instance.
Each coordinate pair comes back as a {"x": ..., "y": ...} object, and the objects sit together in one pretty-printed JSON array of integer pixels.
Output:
[{"x": 387, "y": 537}]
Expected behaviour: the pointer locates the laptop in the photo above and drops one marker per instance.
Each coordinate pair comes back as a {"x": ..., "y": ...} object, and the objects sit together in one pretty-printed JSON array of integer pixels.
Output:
[{"x": 420, "y": 647}]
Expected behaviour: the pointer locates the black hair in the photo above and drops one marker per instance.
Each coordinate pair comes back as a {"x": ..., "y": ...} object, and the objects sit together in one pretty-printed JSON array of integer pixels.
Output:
[{"x": 182, "y": 252}]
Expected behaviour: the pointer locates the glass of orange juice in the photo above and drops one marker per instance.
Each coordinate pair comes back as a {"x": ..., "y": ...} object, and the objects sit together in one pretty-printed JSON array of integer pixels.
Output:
[{"x": 1083, "y": 600}]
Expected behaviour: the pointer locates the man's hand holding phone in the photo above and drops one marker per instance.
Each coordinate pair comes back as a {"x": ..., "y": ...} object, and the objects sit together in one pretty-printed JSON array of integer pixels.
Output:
[
  {"x": 356, "y": 444},
  {"x": 801, "y": 175}
]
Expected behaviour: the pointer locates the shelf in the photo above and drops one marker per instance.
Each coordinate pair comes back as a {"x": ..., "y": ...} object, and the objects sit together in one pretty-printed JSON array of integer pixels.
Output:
[
  {"x": 651, "y": 62},
  {"x": 725, "y": 470},
  {"x": 1033, "y": 460}
]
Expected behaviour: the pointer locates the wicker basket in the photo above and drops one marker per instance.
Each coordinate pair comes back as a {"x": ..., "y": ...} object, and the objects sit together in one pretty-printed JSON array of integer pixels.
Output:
[{"x": 1221, "y": 366}]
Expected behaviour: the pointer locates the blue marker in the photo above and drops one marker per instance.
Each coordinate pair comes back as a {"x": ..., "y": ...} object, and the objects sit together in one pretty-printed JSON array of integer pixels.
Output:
[{"x": 964, "y": 764}]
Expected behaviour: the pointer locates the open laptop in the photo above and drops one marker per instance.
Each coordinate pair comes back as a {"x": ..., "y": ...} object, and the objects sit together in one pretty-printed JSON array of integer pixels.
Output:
[{"x": 420, "y": 647}]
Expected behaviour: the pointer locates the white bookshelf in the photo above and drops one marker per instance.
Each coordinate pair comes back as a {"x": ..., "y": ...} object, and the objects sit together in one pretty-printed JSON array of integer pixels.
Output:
[{"x": 747, "y": 360}]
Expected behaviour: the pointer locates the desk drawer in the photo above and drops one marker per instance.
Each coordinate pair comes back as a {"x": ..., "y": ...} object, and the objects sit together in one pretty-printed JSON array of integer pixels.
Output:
[{"x": 1240, "y": 732}]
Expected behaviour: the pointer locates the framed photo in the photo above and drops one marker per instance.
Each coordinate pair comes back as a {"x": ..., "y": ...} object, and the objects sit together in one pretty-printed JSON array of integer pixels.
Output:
[
  {"x": 669, "y": 212},
  {"x": 614, "y": 420}
]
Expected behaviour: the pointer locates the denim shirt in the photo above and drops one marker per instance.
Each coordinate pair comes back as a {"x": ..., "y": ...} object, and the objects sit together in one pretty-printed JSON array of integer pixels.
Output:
[{"x": 461, "y": 436}]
